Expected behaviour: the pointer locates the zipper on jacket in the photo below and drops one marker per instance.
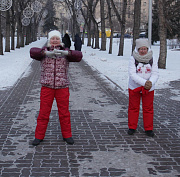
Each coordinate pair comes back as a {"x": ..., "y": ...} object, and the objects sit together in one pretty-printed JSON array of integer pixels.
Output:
[
  {"x": 143, "y": 71},
  {"x": 54, "y": 72}
]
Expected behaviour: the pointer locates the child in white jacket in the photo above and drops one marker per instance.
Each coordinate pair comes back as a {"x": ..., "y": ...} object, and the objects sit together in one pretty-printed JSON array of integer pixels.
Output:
[{"x": 143, "y": 74}]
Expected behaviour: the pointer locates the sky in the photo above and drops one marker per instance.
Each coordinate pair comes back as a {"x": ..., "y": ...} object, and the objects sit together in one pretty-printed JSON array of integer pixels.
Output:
[{"x": 16, "y": 64}]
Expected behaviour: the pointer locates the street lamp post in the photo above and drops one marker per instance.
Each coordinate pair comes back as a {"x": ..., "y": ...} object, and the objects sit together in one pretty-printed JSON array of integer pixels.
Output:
[{"x": 150, "y": 22}]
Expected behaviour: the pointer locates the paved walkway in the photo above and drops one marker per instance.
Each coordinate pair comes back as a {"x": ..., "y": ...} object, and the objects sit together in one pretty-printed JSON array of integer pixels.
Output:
[{"x": 99, "y": 125}]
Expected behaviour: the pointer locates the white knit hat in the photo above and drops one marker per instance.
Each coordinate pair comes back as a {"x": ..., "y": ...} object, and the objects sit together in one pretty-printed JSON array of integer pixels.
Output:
[
  {"x": 142, "y": 43},
  {"x": 54, "y": 33}
]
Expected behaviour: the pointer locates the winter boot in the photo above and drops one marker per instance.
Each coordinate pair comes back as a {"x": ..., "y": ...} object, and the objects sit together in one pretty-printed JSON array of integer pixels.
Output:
[
  {"x": 131, "y": 131},
  {"x": 69, "y": 140},
  {"x": 36, "y": 142},
  {"x": 149, "y": 133}
]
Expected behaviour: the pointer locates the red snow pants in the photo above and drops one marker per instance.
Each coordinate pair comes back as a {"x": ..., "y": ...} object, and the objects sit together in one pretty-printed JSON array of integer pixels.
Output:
[
  {"x": 134, "y": 106},
  {"x": 47, "y": 98}
]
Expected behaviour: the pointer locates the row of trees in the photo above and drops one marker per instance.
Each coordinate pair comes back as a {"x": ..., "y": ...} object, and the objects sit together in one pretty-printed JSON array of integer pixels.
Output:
[
  {"x": 93, "y": 25},
  {"x": 11, "y": 24},
  {"x": 165, "y": 22}
]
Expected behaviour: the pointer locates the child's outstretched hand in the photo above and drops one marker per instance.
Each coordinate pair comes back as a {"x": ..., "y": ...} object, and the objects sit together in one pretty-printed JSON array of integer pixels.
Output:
[{"x": 50, "y": 54}]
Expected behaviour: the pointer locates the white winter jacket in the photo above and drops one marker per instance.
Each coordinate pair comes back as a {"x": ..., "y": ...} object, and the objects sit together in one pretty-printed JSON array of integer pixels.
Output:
[{"x": 138, "y": 76}]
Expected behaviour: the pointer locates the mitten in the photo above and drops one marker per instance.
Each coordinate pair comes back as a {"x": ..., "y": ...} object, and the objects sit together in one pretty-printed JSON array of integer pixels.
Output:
[
  {"x": 148, "y": 85},
  {"x": 50, "y": 54},
  {"x": 61, "y": 52}
]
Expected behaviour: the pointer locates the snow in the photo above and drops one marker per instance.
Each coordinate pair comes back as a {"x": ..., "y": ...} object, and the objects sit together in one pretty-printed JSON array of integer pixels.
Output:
[
  {"x": 15, "y": 63},
  {"x": 116, "y": 67}
]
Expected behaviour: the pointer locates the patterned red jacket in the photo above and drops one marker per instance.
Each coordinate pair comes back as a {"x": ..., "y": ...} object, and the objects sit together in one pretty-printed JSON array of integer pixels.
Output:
[{"x": 54, "y": 72}]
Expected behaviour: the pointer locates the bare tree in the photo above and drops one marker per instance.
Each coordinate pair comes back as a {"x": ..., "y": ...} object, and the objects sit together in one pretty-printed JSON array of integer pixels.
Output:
[
  {"x": 85, "y": 24},
  {"x": 96, "y": 27},
  {"x": 121, "y": 47},
  {"x": 7, "y": 46},
  {"x": 19, "y": 6},
  {"x": 172, "y": 22},
  {"x": 137, "y": 19},
  {"x": 91, "y": 6},
  {"x": 122, "y": 20},
  {"x": 103, "y": 30},
  {"x": 162, "y": 35},
  {"x": 1, "y": 38},
  {"x": 12, "y": 24},
  {"x": 73, "y": 11},
  {"x": 90, "y": 17},
  {"x": 111, "y": 26}
]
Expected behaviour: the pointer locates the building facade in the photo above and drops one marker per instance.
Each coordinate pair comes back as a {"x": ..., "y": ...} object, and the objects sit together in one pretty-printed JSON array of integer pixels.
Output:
[{"x": 130, "y": 14}]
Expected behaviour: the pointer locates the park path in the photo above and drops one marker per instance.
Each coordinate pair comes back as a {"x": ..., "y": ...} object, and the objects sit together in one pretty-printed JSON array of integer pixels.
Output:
[{"x": 99, "y": 126}]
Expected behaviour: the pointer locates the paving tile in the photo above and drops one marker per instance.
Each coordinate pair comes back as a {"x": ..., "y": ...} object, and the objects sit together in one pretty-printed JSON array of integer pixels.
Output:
[{"x": 99, "y": 125}]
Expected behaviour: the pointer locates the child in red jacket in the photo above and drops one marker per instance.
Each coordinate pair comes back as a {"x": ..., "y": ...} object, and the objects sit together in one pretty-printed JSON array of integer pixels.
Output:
[{"x": 55, "y": 84}]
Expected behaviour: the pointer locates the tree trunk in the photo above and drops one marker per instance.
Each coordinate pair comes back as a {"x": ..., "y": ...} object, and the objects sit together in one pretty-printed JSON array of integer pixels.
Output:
[
  {"x": 1, "y": 38},
  {"x": 83, "y": 34},
  {"x": 13, "y": 22},
  {"x": 111, "y": 26},
  {"x": 122, "y": 24},
  {"x": 137, "y": 19},
  {"x": 30, "y": 34},
  {"x": 12, "y": 37},
  {"x": 96, "y": 31},
  {"x": 34, "y": 37},
  {"x": 18, "y": 35},
  {"x": 7, "y": 46},
  {"x": 96, "y": 36},
  {"x": 89, "y": 23},
  {"x": 162, "y": 36},
  {"x": 121, "y": 45},
  {"x": 21, "y": 36},
  {"x": 103, "y": 30},
  {"x": 89, "y": 18},
  {"x": 74, "y": 24},
  {"x": 27, "y": 35},
  {"x": 93, "y": 36},
  {"x": 89, "y": 33},
  {"x": 76, "y": 27},
  {"x": 85, "y": 24}
]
